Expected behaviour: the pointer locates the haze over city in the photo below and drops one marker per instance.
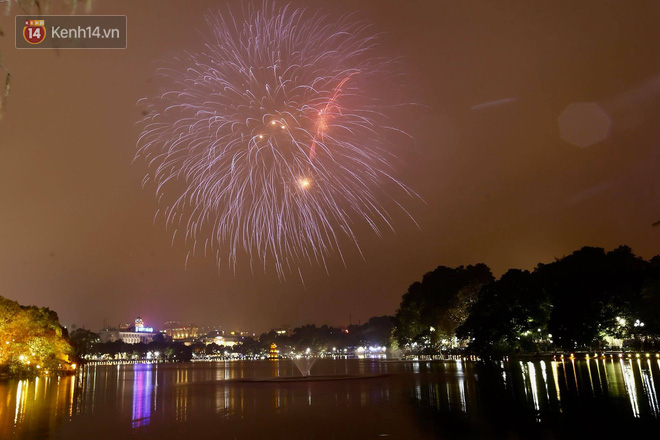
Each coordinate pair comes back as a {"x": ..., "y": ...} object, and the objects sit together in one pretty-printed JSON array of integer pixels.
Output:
[{"x": 503, "y": 179}]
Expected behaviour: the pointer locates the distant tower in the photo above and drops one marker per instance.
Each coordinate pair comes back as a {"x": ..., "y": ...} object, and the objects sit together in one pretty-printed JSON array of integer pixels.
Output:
[
  {"x": 138, "y": 323},
  {"x": 274, "y": 352}
]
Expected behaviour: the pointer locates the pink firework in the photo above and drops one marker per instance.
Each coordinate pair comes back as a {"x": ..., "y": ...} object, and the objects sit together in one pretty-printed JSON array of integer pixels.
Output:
[{"x": 270, "y": 142}]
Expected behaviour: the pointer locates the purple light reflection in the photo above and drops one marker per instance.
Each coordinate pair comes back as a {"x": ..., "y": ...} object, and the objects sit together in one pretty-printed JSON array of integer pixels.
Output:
[{"x": 142, "y": 394}]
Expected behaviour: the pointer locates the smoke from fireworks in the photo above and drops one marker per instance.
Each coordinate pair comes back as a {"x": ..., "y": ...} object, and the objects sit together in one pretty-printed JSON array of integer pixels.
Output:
[{"x": 269, "y": 141}]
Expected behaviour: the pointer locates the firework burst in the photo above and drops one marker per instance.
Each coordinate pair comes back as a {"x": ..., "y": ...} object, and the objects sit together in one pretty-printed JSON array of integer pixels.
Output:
[{"x": 269, "y": 141}]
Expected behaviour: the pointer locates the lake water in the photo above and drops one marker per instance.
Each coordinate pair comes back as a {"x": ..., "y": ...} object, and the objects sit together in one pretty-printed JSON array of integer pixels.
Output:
[{"x": 405, "y": 400}]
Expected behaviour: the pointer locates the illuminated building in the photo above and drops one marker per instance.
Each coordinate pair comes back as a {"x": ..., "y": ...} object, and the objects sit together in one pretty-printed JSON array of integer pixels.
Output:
[
  {"x": 139, "y": 333},
  {"x": 242, "y": 334},
  {"x": 273, "y": 353},
  {"x": 177, "y": 332},
  {"x": 223, "y": 341},
  {"x": 282, "y": 331}
]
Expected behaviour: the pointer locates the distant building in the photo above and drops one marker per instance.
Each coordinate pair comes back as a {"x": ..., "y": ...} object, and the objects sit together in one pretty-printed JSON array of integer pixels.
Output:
[
  {"x": 282, "y": 331},
  {"x": 223, "y": 341},
  {"x": 130, "y": 335},
  {"x": 110, "y": 335},
  {"x": 242, "y": 334},
  {"x": 273, "y": 353},
  {"x": 177, "y": 332},
  {"x": 216, "y": 328}
]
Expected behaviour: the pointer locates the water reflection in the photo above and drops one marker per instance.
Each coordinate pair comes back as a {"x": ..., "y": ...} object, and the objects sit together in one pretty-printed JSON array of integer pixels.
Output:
[
  {"x": 649, "y": 388},
  {"x": 461, "y": 385},
  {"x": 142, "y": 395},
  {"x": 555, "y": 380},
  {"x": 169, "y": 400},
  {"x": 21, "y": 396},
  {"x": 530, "y": 371},
  {"x": 629, "y": 380},
  {"x": 42, "y": 402},
  {"x": 544, "y": 387}
]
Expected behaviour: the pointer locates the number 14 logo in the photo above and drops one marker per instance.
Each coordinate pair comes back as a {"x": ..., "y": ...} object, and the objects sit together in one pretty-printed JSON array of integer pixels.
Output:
[{"x": 34, "y": 33}]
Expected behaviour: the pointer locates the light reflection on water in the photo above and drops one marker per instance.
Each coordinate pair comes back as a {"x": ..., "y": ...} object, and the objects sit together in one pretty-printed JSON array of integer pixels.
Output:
[
  {"x": 166, "y": 400},
  {"x": 143, "y": 394},
  {"x": 537, "y": 397}
]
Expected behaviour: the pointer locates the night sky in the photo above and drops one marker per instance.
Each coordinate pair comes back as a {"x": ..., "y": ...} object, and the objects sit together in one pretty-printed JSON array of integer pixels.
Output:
[{"x": 505, "y": 180}]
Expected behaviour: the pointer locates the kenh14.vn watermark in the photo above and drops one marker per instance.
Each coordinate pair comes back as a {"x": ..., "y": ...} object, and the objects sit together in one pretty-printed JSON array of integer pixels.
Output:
[{"x": 71, "y": 32}]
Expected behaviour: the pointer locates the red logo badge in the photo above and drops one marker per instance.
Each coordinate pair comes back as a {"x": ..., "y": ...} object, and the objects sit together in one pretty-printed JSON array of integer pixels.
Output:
[{"x": 34, "y": 31}]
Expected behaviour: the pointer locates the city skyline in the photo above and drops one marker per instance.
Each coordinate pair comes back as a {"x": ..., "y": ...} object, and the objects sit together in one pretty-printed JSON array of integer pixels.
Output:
[
  {"x": 505, "y": 176},
  {"x": 251, "y": 329}
]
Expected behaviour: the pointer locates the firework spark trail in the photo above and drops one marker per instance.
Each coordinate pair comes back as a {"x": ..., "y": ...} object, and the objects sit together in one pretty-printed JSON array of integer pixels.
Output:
[
  {"x": 271, "y": 140},
  {"x": 322, "y": 125}
]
